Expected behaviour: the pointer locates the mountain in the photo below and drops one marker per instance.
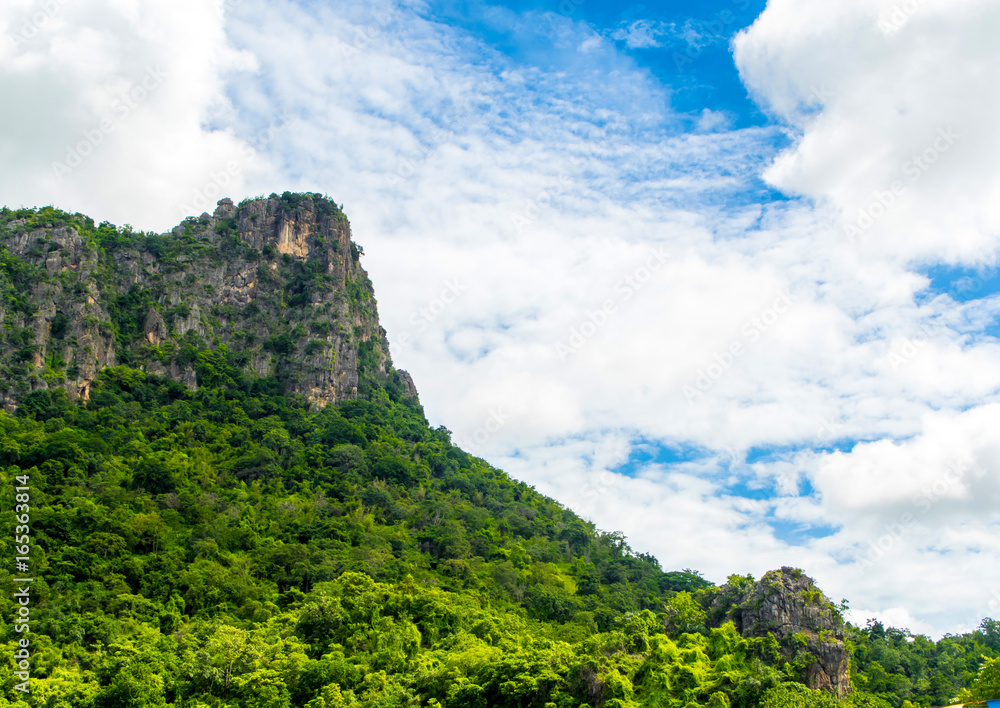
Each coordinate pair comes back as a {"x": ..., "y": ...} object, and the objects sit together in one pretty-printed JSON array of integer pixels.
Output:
[
  {"x": 277, "y": 281},
  {"x": 228, "y": 496}
]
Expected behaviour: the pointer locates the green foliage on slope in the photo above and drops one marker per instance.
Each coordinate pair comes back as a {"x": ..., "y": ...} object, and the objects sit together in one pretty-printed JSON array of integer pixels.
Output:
[
  {"x": 901, "y": 667},
  {"x": 163, "y": 514},
  {"x": 232, "y": 547}
]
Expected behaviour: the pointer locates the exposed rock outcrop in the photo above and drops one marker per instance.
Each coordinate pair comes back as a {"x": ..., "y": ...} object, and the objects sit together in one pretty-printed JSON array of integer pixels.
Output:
[
  {"x": 787, "y": 604},
  {"x": 275, "y": 284}
]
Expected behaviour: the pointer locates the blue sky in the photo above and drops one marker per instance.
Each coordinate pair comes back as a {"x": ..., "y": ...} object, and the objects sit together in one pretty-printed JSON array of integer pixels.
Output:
[
  {"x": 725, "y": 272},
  {"x": 698, "y": 71}
]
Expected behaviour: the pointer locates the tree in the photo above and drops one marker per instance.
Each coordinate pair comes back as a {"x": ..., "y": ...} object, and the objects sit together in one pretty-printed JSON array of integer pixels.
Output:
[
  {"x": 986, "y": 687},
  {"x": 134, "y": 685},
  {"x": 233, "y": 650},
  {"x": 683, "y": 614}
]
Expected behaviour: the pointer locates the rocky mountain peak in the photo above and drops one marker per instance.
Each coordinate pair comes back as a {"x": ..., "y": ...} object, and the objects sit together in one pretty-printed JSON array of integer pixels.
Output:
[
  {"x": 274, "y": 285},
  {"x": 787, "y": 604}
]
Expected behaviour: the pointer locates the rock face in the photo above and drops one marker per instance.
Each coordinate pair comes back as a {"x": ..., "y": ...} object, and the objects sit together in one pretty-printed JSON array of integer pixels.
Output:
[
  {"x": 275, "y": 285},
  {"x": 787, "y": 604}
]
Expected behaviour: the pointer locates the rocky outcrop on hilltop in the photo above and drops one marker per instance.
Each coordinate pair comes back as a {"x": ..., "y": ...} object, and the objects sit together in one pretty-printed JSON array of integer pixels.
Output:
[
  {"x": 274, "y": 284},
  {"x": 787, "y": 604}
]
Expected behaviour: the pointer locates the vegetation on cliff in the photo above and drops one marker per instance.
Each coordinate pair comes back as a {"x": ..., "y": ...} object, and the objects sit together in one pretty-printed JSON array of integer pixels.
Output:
[
  {"x": 206, "y": 534},
  {"x": 276, "y": 282}
]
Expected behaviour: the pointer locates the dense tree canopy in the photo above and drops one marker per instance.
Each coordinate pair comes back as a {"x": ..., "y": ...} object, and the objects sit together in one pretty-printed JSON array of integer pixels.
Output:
[{"x": 232, "y": 547}]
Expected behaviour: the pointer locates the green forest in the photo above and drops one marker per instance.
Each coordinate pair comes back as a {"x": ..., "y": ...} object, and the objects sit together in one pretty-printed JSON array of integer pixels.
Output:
[{"x": 235, "y": 544}]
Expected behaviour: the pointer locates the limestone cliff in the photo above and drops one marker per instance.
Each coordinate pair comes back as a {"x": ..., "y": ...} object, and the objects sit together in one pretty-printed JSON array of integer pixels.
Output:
[
  {"x": 275, "y": 285},
  {"x": 787, "y": 604}
]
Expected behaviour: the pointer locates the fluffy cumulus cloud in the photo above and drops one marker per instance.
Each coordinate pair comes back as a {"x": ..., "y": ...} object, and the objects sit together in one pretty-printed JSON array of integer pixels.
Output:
[
  {"x": 890, "y": 116},
  {"x": 593, "y": 291},
  {"x": 918, "y": 513},
  {"x": 106, "y": 104},
  {"x": 892, "y": 105}
]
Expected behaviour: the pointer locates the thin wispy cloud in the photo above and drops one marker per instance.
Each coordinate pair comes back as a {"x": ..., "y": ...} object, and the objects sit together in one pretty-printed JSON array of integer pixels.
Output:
[
  {"x": 693, "y": 33},
  {"x": 644, "y": 34}
]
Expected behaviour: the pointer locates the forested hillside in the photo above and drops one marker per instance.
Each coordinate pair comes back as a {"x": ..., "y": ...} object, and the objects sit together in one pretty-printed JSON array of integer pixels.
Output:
[{"x": 220, "y": 519}]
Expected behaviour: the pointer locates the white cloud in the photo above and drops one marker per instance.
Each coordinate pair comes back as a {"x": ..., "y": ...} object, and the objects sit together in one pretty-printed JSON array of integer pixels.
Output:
[
  {"x": 875, "y": 95},
  {"x": 694, "y": 34},
  {"x": 547, "y": 194},
  {"x": 105, "y": 106},
  {"x": 590, "y": 44},
  {"x": 882, "y": 96},
  {"x": 643, "y": 34}
]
